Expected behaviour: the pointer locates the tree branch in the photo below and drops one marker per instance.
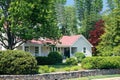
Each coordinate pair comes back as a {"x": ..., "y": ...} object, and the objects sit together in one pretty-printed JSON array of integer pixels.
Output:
[{"x": 19, "y": 44}]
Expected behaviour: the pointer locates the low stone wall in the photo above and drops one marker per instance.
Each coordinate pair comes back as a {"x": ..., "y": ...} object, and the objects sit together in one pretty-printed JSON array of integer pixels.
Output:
[{"x": 61, "y": 75}]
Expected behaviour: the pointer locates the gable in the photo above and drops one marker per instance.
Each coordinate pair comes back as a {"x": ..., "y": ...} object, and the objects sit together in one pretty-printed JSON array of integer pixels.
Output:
[{"x": 82, "y": 41}]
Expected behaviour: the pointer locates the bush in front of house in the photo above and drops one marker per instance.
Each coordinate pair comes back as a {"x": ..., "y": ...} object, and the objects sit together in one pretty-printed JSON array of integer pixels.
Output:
[
  {"x": 52, "y": 58},
  {"x": 112, "y": 62},
  {"x": 42, "y": 60},
  {"x": 80, "y": 56},
  {"x": 55, "y": 57},
  {"x": 71, "y": 61},
  {"x": 17, "y": 62}
]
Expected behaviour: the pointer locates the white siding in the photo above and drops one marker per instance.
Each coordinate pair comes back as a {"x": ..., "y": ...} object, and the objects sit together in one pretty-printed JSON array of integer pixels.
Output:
[
  {"x": 80, "y": 44},
  {"x": 31, "y": 48}
]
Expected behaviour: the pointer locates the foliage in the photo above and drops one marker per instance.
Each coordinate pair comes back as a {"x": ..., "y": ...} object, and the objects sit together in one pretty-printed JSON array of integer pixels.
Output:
[
  {"x": 88, "y": 13},
  {"x": 59, "y": 68},
  {"x": 55, "y": 57},
  {"x": 42, "y": 60},
  {"x": 70, "y": 21},
  {"x": 101, "y": 62},
  {"x": 75, "y": 68},
  {"x": 66, "y": 17},
  {"x": 110, "y": 40},
  {"x": 95, "y": 34},
  {"x": 26, "y": 19},
  {"x": 71, "y": 61},
  {"x": 17, "y": 62},
  {"x": 46, "y": 69},
  {"x": 80, "y": 56},
  {"x": 67, "y": 69},
  {"x": 51, "y": 69}
]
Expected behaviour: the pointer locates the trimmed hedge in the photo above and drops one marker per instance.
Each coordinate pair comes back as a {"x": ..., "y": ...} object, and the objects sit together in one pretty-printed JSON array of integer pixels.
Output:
[
  {"x": 112, "y": 62},
  {"x": 53, "y": 58},
  {"x": 17, "y": 62}
]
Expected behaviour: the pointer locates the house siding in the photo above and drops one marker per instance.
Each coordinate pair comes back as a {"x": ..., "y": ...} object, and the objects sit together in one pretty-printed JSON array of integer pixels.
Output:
[{"x": 80, "y": 44}]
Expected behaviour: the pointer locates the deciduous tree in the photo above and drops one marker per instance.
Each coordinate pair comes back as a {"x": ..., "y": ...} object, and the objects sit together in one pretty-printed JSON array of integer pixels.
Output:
[
  {"x": 88, "y": 13},
  {"x": 22, "y": 20}
]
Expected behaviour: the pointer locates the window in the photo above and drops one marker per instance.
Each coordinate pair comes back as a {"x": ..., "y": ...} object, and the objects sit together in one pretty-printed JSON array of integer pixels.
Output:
[
  {"x": 36, "y": 51},
  {"x": 58, "y": 49},
  {"x": 27, "y": 48},
  {"x": 84, "y": 49}
]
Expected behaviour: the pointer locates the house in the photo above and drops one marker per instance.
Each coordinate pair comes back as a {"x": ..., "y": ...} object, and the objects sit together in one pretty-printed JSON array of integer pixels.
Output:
[{"x": 68, "y": 46}]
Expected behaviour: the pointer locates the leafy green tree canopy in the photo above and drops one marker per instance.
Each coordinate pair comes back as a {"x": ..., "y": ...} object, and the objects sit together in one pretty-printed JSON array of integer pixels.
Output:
[{"x": 22, "y": 20}]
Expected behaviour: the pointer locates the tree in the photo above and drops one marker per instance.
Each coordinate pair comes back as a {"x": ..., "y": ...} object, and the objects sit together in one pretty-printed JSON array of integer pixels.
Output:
[
  {"x": 88, "y": 13},
  {"x": 95, "y": 34},
  {"x": 59, "y": 8},
  {"x": 66, "y": 17},
  {"x": 110, "y": 40},
  {"x": 70, "y": 20},
  {"x": 22, "y": 20}
]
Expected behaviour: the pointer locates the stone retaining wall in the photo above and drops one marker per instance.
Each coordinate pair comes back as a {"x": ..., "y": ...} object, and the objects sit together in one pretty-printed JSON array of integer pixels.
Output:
[{"x": 61, "y": 75}]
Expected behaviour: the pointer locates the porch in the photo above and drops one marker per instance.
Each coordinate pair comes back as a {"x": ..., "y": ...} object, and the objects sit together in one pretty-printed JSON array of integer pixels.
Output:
[
  {"x": 35, "y": 49},
  {"x": 67, "y": 52},
  {"x": 43, "y": 50}
]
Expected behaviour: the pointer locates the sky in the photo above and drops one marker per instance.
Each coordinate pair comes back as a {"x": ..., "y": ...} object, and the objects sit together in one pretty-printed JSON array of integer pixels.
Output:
[{"x": 71, "y": 2}]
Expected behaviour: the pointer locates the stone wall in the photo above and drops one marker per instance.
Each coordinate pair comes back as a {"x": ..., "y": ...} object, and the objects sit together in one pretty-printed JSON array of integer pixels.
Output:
[{"x": 61, "y": 75}]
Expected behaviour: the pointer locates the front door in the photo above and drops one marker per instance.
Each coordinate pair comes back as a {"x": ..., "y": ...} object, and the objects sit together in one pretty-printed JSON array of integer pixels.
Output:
[{"x": 67, "y": 52}]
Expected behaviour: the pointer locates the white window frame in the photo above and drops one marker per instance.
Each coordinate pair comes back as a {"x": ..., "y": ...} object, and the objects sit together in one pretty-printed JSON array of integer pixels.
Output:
[
  {"x": 36, "y": 49},
  {"x": 27, "y": 49}
]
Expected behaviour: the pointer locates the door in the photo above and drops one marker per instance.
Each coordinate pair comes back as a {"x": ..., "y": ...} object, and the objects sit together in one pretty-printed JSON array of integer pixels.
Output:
[{"x": 67, "y": 52}]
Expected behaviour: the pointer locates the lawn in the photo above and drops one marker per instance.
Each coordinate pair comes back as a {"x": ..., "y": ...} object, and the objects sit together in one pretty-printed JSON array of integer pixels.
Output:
[
  {"x": 58, "y": 68},
  {"x": 96, "y": 77}
]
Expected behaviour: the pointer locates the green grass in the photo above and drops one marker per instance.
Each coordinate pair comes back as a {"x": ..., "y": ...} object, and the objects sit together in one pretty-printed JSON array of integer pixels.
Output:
[
  {"x": 96, "y": 77},
  {"x": 59, "y": 68}
]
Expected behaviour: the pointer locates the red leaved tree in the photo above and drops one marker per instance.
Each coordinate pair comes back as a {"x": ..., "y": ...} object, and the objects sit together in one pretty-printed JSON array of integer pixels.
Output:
[{"x": 96, "y": 33}]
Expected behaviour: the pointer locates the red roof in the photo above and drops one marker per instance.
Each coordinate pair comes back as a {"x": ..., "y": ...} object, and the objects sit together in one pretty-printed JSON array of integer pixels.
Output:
[
  {"x": 69, "y": 40},
  {"x": 41, "y": 41},
  {"x": 64, "y": 41}
]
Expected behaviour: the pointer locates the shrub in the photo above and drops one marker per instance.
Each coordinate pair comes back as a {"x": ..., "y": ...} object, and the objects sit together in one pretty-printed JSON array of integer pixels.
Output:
[
  {"x": 17, "y": 62},
  {"x": 67, "y": 69},
  {"x": 75, "y": 68},
  {"x": 80, "y": 56},
  {"x": 71, "y": 61},
  {"x": 42, "y": 60},
  {"x": 101, "y": 62},
  {"x": 44, "y": 69},
  {"x": 54, "y": 57},
  {"x": 51, "y": 69}
]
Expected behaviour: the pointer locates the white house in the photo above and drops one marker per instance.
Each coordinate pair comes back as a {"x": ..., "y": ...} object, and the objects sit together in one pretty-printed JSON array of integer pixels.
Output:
[{"x": 68, "y": 46}]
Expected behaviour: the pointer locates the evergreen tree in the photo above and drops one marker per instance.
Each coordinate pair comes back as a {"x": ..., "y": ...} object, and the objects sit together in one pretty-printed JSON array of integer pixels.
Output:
[{"x": 110, "y": 43}]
